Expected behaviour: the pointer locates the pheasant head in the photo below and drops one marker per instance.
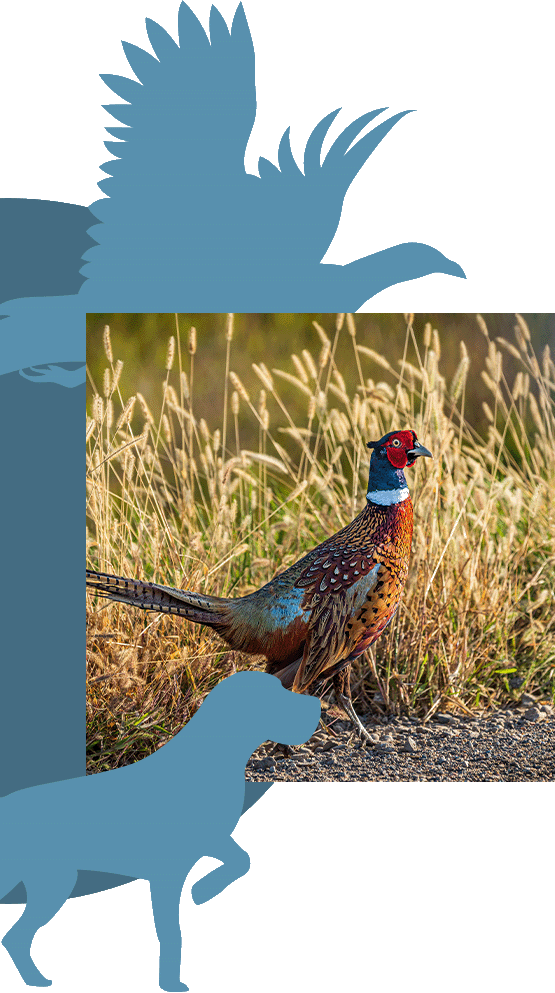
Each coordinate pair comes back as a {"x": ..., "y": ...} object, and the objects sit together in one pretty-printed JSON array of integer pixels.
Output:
[{"x": 390, "y": 456}]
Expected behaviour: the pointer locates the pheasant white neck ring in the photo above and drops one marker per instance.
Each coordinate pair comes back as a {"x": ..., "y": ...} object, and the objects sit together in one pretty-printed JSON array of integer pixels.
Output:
[{"x": 388, "y": 497}]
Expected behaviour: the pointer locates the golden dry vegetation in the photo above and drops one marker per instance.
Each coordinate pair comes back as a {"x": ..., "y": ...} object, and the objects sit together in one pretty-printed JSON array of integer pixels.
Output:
[{"x": 179, "y": 500}]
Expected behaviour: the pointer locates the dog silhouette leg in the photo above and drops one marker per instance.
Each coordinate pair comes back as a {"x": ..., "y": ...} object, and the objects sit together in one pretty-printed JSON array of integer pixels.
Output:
[
  {"x": 165, "y": 894},
  {"x": 47, "y": 891},
  {"x": 236, "y": 864}
]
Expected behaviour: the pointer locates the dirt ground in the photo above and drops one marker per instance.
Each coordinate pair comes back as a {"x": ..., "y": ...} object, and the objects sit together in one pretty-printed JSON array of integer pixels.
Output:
[{"x": 503, "y": 746}]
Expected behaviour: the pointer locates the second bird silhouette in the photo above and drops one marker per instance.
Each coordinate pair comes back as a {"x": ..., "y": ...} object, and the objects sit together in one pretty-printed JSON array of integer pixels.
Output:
[
  {"x": 183, "y": 227},
  {"x": 315, "y": 618}
]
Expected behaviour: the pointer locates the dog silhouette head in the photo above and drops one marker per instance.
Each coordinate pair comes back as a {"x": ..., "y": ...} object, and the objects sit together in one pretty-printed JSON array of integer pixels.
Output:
[{"x": 263, "y": 708}]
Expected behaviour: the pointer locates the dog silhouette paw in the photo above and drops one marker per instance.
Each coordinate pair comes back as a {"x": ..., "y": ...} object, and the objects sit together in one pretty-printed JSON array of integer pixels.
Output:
[
  {"x": 172, "y": 987},
  {"x": 204, "y": 889},
  {"x": 24, "y": 964}
]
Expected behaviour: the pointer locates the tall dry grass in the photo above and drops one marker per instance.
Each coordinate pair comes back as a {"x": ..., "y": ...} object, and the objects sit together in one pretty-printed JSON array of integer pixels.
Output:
[{"x": 179, "y": 501}]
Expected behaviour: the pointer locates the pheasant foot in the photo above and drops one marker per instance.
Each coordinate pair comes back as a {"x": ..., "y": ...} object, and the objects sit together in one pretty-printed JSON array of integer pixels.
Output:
[{"x": 347, "y": 704}]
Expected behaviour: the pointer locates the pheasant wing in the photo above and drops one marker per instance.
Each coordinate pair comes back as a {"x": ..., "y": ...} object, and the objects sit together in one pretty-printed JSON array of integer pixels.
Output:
[{"x": 339, "y": 583}]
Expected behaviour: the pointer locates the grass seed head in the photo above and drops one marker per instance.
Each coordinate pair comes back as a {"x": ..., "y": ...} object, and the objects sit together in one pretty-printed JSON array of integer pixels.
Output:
[
  {"x": 107, "y": 344},
  {"x": 170, "y": 354},
  {"x": 107, "y": 382}
]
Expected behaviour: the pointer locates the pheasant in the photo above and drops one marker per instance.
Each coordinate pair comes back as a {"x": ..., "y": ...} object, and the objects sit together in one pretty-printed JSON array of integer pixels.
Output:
[{"x": 312, "y": 620}]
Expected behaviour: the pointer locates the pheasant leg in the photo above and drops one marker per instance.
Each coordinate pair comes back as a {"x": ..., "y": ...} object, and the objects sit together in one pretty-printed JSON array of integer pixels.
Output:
[{"x": 342, "y": 690}]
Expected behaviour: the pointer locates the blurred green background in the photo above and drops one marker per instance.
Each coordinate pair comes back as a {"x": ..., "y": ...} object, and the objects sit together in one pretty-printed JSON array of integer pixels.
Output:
[{"x": 141, "y": 340}]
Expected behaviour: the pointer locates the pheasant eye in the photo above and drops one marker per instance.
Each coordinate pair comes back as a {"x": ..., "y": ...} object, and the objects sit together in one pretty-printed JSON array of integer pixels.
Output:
[{"x": 396, "y": 442}]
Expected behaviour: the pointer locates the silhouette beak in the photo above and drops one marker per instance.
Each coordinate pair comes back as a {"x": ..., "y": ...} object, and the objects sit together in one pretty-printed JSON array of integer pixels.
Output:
[{"x": 419, "y": 450}]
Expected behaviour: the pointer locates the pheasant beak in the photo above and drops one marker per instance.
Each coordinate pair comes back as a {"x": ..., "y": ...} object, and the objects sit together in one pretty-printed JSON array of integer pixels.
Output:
[{"x": 418, "y": 450}]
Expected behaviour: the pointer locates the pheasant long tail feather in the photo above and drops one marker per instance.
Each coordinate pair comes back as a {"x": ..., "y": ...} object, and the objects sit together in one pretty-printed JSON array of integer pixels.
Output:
[{"x": 196, "y": 607}]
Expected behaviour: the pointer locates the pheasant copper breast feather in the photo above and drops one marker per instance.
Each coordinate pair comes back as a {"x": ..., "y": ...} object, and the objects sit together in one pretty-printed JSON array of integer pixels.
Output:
[{"x": 314, "y": 619}]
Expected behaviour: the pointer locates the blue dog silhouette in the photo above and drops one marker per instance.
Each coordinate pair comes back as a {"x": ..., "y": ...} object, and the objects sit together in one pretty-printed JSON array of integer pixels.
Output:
[{"x": 188, "y": 797}]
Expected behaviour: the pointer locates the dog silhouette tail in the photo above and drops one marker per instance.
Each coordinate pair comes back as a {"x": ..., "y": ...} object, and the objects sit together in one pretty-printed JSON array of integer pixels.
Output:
[{"x": 198, "y": 607}]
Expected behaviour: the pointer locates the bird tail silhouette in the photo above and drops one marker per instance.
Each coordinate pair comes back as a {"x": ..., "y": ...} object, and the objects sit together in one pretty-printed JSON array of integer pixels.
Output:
[{"x": 198, "y": 607}]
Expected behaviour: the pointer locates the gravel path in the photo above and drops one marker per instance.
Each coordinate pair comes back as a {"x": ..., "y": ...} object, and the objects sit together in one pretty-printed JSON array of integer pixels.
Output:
[{"x": 506, "y": 745}]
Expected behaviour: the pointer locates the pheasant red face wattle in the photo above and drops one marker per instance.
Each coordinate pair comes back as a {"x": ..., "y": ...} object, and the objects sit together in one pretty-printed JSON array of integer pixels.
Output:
[{"x": 397, "y": 457}]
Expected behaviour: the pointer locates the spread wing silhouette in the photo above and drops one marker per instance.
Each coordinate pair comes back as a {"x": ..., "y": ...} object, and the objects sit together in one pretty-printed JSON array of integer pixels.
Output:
[
  {"x": 183, "y": 226},
  {"x": 184, "y": 220}
]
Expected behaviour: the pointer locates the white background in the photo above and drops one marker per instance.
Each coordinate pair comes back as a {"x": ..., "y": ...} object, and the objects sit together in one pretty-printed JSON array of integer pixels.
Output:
[{"x": 419, "y": 886}]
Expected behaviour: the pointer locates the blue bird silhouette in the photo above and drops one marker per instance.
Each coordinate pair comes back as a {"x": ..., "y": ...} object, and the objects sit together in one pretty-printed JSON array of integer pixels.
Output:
[{"x": 184, "y": 227}]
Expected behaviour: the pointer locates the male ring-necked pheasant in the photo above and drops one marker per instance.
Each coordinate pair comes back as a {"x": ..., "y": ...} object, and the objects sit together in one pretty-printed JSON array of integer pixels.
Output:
[{"x": 312, "y": 620}]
